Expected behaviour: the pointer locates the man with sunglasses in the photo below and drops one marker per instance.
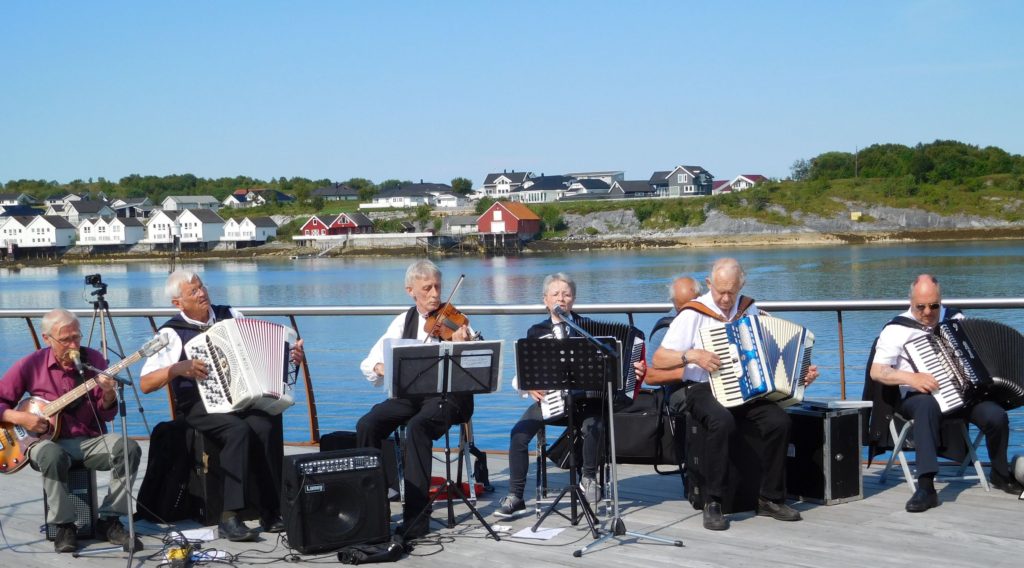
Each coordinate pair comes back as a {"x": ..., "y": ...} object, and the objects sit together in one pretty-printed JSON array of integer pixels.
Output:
[
  {"x": 50, "y": 373},
  {"x": 891, "y": 367}
]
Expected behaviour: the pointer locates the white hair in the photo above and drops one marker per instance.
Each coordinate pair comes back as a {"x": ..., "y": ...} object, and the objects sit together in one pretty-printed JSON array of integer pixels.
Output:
[
  {"x": 694, "y": 286},
  {"x": 728, "y": 266},
  {"x": 560, "y": 277},
  {"x": 56, "y": 319},
  {"x": 420, "y": 270},
  {"x": 173, "y": 286}
]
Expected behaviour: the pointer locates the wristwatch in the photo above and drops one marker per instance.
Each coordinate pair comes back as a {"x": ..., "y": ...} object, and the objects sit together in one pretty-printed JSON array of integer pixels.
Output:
[{"x": 685, "y": 360}]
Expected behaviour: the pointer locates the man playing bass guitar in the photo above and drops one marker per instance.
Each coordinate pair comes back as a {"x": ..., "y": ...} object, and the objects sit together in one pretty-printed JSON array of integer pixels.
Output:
[{"x": 79, "y": 434}]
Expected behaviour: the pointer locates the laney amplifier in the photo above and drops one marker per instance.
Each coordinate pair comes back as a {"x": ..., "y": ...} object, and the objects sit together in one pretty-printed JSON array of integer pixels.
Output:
[{"x": 82, "y": 487}]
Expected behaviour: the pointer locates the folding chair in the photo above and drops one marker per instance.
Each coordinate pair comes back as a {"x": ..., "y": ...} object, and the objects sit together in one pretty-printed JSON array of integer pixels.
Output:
[
  {"x": 899, "y": 453},
  {"x": 464, "y": 456}
]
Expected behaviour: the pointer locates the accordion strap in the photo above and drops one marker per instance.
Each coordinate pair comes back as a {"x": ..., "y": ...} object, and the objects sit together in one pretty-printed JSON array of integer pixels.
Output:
[{"x": 743, "y": 305}]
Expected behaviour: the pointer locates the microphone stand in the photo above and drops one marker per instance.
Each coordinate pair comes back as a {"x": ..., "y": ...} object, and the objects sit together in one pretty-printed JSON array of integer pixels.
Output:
[{"x": 616, "y": 526}]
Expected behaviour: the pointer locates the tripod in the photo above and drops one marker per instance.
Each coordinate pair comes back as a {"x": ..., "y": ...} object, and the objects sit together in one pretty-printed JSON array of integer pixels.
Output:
[
  {"x": 616, "y": 526},
  {"x": 101, "y": 313},
  {"x": 468, "y": 367}
]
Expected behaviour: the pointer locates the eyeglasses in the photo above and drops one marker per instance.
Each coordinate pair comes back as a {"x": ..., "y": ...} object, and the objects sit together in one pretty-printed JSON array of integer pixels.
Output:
[
  {"x": 195, "y": 292},
  {"x": 66, "y": 341},
  {"x": 932, "y": 307}
]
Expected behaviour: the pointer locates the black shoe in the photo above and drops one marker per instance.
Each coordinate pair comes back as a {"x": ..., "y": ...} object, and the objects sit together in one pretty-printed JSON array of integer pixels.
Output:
[
  {"x": 777, "y": 511},
  {"x": 511, "y": 507},
  {"x": 714, "y": 520},
  {"x": 412, "y": 532},
  {"x": 66, "y": 539},
  {"x": 922, "y": 501},
  {"x": 1007, "y": 484},
  {"x": 235, "y": 530},
  {"x": 272, "y": 524},
  {"x": 115, "y": 533}
]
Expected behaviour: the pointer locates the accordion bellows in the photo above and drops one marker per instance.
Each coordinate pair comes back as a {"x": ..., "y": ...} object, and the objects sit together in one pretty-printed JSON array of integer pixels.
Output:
[{"x": 247, "y": 363}]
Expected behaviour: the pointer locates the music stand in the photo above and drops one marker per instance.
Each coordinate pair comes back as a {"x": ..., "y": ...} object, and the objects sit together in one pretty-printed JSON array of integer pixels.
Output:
[
  {"x": 432, "y": 369},
  {"x": 617, "y": 527},
  {"x": 567, "y": 364}
]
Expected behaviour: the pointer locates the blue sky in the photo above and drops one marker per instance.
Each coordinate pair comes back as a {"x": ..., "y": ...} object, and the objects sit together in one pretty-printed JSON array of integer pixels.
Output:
[{"x": 435, "y": 90}]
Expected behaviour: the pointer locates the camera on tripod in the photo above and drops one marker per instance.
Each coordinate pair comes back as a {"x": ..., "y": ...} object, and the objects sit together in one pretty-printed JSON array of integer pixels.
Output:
[{"x": 96, "y": 281}]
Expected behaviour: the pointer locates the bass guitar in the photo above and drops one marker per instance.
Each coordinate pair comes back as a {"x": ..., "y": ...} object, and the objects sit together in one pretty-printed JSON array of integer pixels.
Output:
[{"x": 15, "y": 440}]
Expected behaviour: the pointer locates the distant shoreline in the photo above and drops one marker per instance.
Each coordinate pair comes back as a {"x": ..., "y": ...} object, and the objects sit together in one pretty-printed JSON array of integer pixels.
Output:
[{"x": 557, "y": 245}]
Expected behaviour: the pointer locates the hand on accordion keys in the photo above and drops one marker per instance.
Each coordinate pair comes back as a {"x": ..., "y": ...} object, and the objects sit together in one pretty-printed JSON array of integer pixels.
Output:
[{"x": 923, "y": 383}]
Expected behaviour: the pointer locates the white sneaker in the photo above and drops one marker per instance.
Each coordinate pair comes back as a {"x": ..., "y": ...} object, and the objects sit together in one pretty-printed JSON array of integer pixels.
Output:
[{"x": 591, "y": 490}]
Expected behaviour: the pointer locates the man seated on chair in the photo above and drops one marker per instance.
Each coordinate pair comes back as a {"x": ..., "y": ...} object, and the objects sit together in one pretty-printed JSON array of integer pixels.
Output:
[
  {"x": 559, "y": 291},
  {"x": 679, "y": 358},
  {"x": 892, "y": 367},
  {"x": 251, "y": 441},
  {"x": 426, "y": 419},
  {"x": 50, "y": 373}
]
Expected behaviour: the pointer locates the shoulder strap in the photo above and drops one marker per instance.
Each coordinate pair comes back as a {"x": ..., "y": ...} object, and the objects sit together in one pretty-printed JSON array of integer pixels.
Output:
[{"x": 744, "y": 304}]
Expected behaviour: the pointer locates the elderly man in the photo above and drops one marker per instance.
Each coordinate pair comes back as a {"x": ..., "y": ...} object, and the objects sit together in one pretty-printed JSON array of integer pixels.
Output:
[
  {"x": 559, "y": 291},
  {"x": 251, "y": 440},
  {"x": 426, "y": 418},
  {"x": 891, "y": 367},
  {"x": 682, "y": 290},
  {"x": 49, "y": 374},
  {"x": 678, "y": 357}
]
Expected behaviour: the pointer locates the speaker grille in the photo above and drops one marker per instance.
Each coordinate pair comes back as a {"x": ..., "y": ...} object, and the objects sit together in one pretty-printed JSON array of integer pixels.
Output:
[{"x": 82, "y": 487}]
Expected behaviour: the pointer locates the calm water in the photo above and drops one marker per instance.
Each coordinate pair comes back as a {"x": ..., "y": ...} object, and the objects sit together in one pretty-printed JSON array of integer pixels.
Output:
[{"x": 335, "y": 346}]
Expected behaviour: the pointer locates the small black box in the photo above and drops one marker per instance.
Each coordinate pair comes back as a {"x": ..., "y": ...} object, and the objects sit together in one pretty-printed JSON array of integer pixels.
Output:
[
  {"x": 82, "y": 487},
  {"x": 823, "y": 458}
]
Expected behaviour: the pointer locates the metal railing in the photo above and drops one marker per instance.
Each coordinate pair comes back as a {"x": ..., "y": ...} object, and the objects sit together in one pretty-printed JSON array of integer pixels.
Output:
[{"x": 630, "y": 310}]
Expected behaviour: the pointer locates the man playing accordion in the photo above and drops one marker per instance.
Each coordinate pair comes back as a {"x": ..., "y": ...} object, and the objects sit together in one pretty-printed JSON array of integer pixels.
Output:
[
  {"x": 891, "y": 367},
  {"x": 252, "y": 440},
  {"x": 680, "y": 358}
]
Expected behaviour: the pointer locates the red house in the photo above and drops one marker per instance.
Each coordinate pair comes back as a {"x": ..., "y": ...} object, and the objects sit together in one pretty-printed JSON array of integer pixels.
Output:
[
  {"x": 509, "y": 217},
  {"x": 343, "y": 224}
]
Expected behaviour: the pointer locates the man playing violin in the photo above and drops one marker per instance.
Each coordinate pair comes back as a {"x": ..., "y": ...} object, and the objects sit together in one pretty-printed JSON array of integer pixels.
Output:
[
  {"x": 50, "y": 373},
  {"x": 426, "y": 418}
]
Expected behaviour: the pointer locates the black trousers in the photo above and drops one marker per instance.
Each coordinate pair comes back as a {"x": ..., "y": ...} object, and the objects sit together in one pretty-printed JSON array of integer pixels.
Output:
[
  {"x": 252, "y": 451},
  {"x": 988, "y": 416},
  {"x": 426, "y": 420},
  {"x": 587, "y": 413},
  {"x": 769, "y": 420}
]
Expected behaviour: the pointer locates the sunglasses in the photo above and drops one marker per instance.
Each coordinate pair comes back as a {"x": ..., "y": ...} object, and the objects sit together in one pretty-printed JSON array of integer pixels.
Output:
[{"x": 932, "y": 307}]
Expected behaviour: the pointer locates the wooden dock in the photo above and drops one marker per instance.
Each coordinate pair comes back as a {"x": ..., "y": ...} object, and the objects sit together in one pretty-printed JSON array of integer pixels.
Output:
[{"x": 971, "y": 528}]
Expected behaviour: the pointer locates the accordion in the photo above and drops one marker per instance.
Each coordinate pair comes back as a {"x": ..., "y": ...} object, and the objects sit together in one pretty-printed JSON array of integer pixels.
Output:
[
  {"x": 949, "y": 355},
  {"x": 247, "y": 365},
  {"x": 761, "y": 357},
  {"x": 631, "y": 341}
]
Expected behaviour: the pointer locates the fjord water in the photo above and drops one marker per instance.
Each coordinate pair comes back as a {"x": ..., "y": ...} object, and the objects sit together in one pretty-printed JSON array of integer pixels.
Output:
[{"x": 335, "y": 346}]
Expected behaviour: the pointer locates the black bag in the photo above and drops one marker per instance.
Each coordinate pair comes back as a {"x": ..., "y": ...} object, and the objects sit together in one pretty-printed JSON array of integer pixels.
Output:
[
  {"x": 558, "y": 452},
  {"x": 372, "y": 553},
  {"x": 645, "y": 432},
  {"x": 163, "y": 496}
]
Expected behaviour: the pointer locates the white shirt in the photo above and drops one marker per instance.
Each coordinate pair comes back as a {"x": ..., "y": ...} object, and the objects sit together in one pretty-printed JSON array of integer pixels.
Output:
[
  {"x": 171, "y": 353},
  {"x": 394, "y": 331},
  {"x": 684, "y": 333},
  {"x": 891, "y": 347}
]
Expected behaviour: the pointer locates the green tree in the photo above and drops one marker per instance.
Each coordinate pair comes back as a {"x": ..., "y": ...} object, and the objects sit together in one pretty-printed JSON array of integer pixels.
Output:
[
  {"x": 483, "y": 205},
  {"x": 800, "y": 170},
  {"x": 462, "y": 186}
]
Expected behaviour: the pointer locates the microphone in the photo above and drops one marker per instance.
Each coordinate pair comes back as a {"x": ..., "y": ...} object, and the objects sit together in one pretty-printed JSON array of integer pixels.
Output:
[
  {"x": 560, "y": 312},
  {"x": 76, "y": 357}
]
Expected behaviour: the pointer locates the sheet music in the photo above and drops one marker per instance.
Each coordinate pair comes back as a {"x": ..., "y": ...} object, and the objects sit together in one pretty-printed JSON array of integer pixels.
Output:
[{"x": 389, "y": 345}]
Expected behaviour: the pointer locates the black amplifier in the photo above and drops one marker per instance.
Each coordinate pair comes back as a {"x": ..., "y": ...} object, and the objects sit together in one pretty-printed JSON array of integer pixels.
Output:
[{"x": 82, "y": 488}]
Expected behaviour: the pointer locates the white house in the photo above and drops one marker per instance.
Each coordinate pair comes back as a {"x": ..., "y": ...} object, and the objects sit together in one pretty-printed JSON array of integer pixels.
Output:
[
  {"x": 182, "y": 202},
  {"x": 200, "y": 226},
  {"x": 448, "y": 200},
  {"x": 163, "y": 227},
  {"x": 77, "y": 211},
  {"x": 112, "y": 231},
  {"x": 745, "y": 181},
  {"x": 11, "y": 230},
  {"x": 459, "y": 225},
  {"x": 501, "y": 185},
  {"x": 256, "y": 229},
  {"x": 412, "y": 195},
  {"x": 542, "y": 189},
  {"x": 48, "y": 231},
  {"x": 15, "y": 199}
]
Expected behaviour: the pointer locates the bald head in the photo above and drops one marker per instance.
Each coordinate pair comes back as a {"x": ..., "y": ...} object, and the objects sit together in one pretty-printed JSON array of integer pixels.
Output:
[
  {"x": 682, "y": 290},
  {"x": 926, "y": 299},
  {"x": 725, "y": 281}
]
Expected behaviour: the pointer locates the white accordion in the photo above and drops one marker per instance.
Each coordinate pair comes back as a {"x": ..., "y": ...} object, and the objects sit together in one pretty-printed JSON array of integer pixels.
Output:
[
  {"x": 247, "y": 365},
  {"x": 761, "y": 357}
]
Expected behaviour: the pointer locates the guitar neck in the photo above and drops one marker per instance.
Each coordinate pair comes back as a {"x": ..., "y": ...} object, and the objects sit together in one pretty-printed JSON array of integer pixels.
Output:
[{"x": 77, "y": 392}]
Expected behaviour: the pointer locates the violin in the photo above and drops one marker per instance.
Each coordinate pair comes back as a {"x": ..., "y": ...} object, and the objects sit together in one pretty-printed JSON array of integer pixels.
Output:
[{"x": 443, "y": 322}]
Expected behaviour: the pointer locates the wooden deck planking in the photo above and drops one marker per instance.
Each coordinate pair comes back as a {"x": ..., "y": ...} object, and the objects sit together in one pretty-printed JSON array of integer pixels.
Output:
[{"x": 970, "y": 528}]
